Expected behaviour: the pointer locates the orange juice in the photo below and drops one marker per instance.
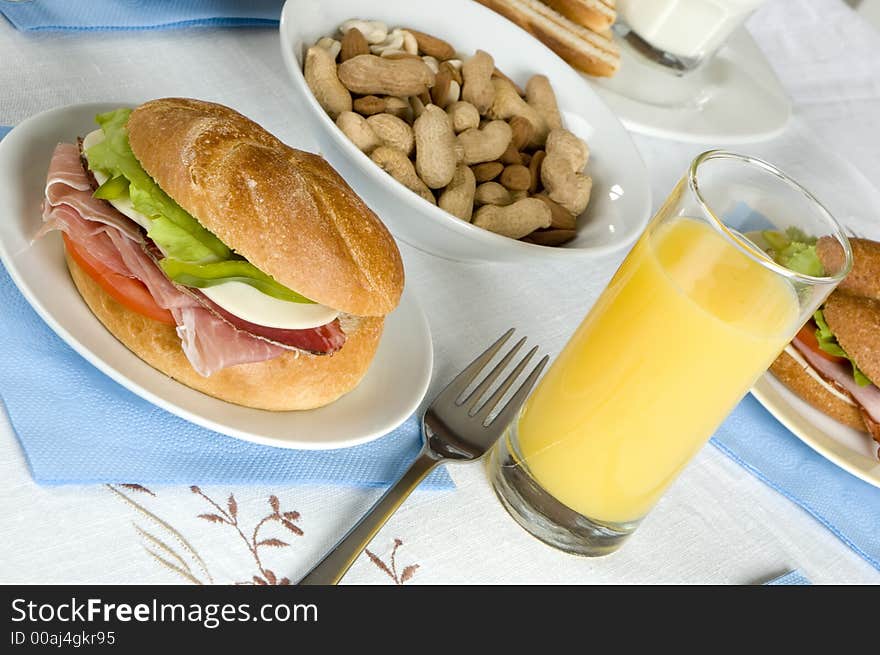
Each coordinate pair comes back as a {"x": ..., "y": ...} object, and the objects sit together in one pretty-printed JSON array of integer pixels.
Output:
[{"x": 673, "y": 343}]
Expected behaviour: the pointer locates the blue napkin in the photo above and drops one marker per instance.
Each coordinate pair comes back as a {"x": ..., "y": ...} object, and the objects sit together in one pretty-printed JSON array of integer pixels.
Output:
[
  {"x": 76, "y": 425},
  {"x": 139, "y": 14},
  {"x": 843, "y": 503}
]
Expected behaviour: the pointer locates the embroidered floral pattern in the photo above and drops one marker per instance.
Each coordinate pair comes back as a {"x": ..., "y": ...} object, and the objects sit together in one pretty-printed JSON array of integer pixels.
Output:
[
  {"x": 391, "y": 569},
  {"x": 229, "y": 516}
]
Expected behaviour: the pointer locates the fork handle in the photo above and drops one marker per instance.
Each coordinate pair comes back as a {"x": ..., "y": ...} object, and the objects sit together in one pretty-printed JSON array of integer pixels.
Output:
[{"x": 335, "y": 564}]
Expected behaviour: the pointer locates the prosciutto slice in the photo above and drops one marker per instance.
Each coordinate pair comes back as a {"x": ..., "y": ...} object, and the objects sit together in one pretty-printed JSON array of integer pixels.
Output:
[
  {"x": 840, "y": 375},
  {"x": 211, "y": 338}
]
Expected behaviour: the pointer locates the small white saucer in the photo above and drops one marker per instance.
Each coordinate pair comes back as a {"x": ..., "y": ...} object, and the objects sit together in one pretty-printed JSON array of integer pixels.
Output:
[{"x": 734, "y": 98}]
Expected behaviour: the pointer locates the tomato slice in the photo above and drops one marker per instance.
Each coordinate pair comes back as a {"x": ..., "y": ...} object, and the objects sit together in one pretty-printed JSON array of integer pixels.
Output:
[
  {"x": 807, "y": 336},
  {"x": 128, "y": 291}
]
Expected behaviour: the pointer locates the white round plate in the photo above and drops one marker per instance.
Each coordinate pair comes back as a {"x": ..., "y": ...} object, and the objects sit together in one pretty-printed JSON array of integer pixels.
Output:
[
  {"x": 736, "y": 98},
  {"x": 390, "y": 392},
  {"x": 621, "y": 198},
  {"x": 851, "y": 450}
]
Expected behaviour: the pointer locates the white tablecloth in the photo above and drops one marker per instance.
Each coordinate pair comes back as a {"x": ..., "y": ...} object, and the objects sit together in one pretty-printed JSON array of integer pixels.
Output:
[{"x": 717, "y": 524}]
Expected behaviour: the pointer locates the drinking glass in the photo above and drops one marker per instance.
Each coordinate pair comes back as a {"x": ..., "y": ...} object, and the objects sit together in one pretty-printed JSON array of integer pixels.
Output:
[
  {"x": 700, "y": 307},
  {"x": 680, "y": 35}
]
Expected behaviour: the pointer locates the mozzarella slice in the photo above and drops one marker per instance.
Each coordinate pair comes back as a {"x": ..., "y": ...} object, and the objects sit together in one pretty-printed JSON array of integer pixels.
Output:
[
  {"x": 252, "y": 305},
  {"x": 122, "y": 204},
  {"x": 237, "y": 298}
]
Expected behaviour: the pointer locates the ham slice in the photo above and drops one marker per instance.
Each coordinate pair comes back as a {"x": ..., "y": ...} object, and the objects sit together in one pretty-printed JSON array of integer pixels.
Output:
[
  {"x": 211, "y": 338},
  {"x": 840, "y": 375},
  {"x": 68, "y": 185}
]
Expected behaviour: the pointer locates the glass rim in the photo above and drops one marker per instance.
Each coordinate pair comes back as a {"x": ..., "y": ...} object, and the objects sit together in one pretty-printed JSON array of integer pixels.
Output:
[{"x": 747, "y": 247}]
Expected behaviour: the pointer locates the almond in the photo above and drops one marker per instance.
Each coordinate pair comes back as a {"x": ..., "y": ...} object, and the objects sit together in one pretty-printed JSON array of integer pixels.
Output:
[
  {"x": 354, "y": 43},
  {"x": 560, "y": 217},
  {"x": 550, "y": 237},
  {"x": 515, "y": 177},
  {"x": 369, "y": 105},
  {"x": 511, "y": 155},
  {"x": 487, "y": 171},
  {"x": 535, "y": 170},
  {"x": 432, "y": 46},
  {"x": 522, "y": 131}
]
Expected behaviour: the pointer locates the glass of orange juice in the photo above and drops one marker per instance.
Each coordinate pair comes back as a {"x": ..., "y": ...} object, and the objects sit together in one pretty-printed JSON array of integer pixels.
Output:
[{"x": 720, "y": 281}]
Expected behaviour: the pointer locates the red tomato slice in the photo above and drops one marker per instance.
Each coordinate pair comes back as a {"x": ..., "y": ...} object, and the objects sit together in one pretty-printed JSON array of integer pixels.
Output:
[
  {"x": 807, "y": 336},
  {"x": 128, "y": 291}
]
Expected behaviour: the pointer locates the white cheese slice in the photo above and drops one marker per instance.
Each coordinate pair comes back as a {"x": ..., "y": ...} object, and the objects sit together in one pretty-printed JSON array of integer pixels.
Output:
[
  {"x": 237, "y": 298},
  {"x": 253, "y": 305},
  {"x": 122, "y": 204}
]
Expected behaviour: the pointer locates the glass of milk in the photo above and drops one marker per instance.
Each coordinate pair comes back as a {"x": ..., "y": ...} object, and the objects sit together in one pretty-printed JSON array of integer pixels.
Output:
[{"x": 681, "y": 34}]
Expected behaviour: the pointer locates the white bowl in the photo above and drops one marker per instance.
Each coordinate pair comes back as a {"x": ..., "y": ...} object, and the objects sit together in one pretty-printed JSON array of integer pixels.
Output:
[{"x": 621, "y": 198}]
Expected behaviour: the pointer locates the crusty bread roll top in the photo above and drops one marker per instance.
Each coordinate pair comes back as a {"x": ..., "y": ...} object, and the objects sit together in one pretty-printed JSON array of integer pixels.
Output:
[{"x": 286, "y": 211}]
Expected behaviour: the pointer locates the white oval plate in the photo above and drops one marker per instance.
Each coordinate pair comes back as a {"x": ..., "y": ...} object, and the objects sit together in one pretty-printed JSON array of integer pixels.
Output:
[
  {"x": 390, "y": 392},
  {"x": 851, "y": 450},
  {"x": 620, "y": 205},
  {"x": 741, "y": 99}
]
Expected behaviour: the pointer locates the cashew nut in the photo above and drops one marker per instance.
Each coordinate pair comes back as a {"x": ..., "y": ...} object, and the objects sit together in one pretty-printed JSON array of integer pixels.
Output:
[
  {"x": 396, "y": 40},
  {"x": 358, "y": 131},
  {"x": 321, "y": 76},
  {"x": 540, "y": 95},
  {"x": 561, "y": 171},
  {"x": 369, "y": 74},
  {"x": 373, "y": 30},
  {"x": 508, "y": 104},
  {"x": 515, "y": 221},
  {"x": 398, "y": 165},
  {"x": 458, "y": 196},
  {"x": 330, "y": 45},
  {"x": 486, "y": 144},
  {"x": 432, "y": 62},
  {"x": 477, "y": 75},
  {"x": 464, "y": 116},
  {"x": 435, "y": 147},
  {"x": 392, "y": 131}
]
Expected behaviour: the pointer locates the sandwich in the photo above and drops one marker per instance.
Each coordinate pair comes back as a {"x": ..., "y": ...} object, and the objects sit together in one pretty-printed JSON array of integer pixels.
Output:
[
  {"x": 833, "y": 363},
  {"x": 227, "y": 260}
]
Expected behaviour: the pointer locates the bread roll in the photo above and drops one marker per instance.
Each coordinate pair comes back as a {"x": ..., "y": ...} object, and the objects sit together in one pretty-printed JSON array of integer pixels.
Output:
[
  {"x": 788, "y": 371},
  {"x": 295, "y": 380},
  {"x": 286, "y": 211}
]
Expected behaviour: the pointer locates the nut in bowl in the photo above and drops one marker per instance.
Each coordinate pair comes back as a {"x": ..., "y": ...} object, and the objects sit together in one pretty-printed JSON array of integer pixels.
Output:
[{"x": 467, "y": 136}]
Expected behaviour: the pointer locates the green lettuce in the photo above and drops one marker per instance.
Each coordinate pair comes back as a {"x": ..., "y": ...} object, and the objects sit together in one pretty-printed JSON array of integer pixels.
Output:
[
  {"x": 194, "y": 256},
  {"x": 828, "y": 343},
  {"x": 178, "y": 234},
  {"x": 794, "y": 250},
  {"x": 211, "y": 274}
]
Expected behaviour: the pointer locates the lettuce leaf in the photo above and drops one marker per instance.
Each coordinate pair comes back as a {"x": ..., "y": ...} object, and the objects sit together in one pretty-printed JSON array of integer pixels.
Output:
[
  {"x": 794, "y": 250},
  {"x": 177, "y": 233},
  {"x": 194, "y": 256},
  {"x": 828, "y": 343},
  {"x": 213, "y": 273}
]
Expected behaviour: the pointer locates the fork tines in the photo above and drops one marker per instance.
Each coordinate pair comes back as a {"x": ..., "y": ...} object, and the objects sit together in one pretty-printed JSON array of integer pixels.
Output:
[{"x": 456, "y": 389}]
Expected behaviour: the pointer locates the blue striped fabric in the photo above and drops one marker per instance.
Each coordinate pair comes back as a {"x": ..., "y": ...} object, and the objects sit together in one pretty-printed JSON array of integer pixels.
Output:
[{"x": 93, "y": 15}]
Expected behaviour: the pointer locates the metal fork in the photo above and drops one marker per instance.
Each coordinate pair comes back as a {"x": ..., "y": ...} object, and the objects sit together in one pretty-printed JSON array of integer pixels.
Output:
[{"x": 453, "y": 429}]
